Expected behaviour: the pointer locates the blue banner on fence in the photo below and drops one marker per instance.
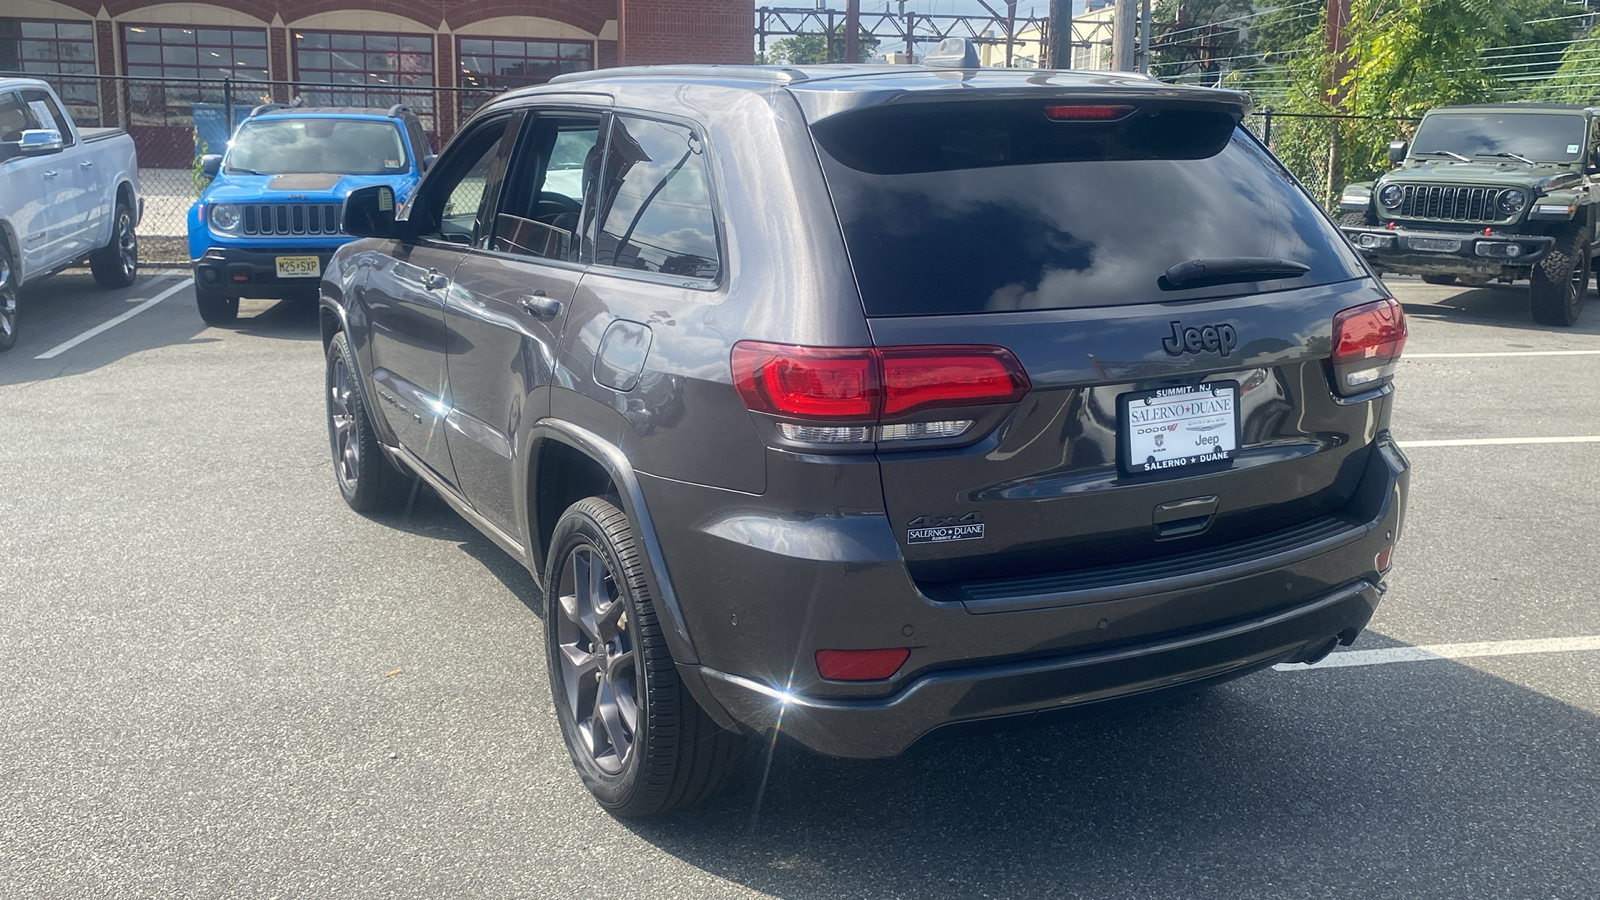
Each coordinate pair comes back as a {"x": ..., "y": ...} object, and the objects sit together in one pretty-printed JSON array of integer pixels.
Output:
[{"x": 211, "y": 128}]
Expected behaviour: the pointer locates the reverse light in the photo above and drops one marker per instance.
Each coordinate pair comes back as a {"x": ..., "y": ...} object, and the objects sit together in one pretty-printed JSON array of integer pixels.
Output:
[
  {"x": 847, "y": 386},
  {"x": 860, "y": 665},
  {"x": 1072, "y": 112},
  {"x": 1367, "y": 343}
]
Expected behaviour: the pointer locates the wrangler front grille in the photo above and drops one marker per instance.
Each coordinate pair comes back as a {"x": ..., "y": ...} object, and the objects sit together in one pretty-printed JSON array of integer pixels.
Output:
[
  {"x": 290, "y": 218},
  {"x": 1449, "y": 203}
]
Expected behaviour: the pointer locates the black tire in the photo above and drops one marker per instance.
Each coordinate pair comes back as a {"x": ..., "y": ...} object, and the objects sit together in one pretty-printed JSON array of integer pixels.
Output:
[
  {"x": 1561, "y": 281},
  {"x": 1439, "y": 279},
  {"x": 8, "y": 299},
  {"x": 1356, "y": 218},
  {"x": 216, "y": 308},
  {"x": 366, "y": 478},
  {"x": 116, "y": 265},
  {"x": 674, "y": 755}
]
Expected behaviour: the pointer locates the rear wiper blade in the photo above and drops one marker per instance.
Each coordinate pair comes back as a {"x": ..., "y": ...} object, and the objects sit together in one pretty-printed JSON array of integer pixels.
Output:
[
  {"x": 1516, "y": 156},
  {"x": 1450, "y": 153},
  {"x": 1231, "y": 269}
]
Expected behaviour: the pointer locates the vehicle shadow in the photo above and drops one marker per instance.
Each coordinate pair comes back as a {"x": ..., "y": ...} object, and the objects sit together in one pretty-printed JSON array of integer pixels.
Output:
[
  {"x": 1405, "y": 781},
  {"x": 428, "y": 516},
  {"x": 290, "y": 320},
  {"x": 1503, "y": 306}
]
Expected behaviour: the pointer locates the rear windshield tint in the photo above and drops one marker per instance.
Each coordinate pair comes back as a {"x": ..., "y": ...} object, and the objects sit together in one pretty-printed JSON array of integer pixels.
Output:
[{"x": 968, "y": 207}]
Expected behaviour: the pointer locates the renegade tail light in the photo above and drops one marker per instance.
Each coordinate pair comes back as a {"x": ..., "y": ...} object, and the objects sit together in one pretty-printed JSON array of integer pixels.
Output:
[
  {"x": 849, "y": 385},
  {"x": 1070, "y": 112},
  {"x": 1367, "y": 342},
  {"x": 860, "y": 665}
]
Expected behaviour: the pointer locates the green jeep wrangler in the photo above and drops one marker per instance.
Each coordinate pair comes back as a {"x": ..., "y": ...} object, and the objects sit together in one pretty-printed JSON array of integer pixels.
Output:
[{"x": 1488, "y": 193}]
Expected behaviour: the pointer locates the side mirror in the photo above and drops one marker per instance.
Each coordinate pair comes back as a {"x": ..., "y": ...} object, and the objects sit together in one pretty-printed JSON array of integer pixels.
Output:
[
  {"x": 369, "y": 212},
  {"x": 1397, "y": 152},
  {"x": 33, "y": 142},
  {"x": 1593, "y": 167},
  {"x": 427, "y": 161},
  {"x": 211, "y": 164}
]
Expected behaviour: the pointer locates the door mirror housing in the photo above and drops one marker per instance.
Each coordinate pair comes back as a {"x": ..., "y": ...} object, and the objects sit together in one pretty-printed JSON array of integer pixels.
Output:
[
  {"x": 1397, "y": 152},
  {"x": 1592, "y": 167},
  {"x": 370, "y": 211},
  {"x": 427, "y": 161},
  {"x": 33, "y": 142},
  {"x": 211, "y": 164}
]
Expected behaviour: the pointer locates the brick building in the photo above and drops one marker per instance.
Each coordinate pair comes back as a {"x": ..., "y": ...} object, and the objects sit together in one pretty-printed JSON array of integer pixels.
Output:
[{"x": 442, "y": 58}]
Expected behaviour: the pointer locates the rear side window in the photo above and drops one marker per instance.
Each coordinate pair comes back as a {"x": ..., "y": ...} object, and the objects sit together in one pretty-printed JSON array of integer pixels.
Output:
[
  {"x": 655, "y": 212},
  {"x": 967, "y": 208}
]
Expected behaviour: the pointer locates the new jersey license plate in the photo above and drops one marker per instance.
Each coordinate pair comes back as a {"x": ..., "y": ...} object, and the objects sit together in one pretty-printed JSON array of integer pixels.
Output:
[
  {"x": 1174, "y": 428},
  {"x": 299, "y": 267}
]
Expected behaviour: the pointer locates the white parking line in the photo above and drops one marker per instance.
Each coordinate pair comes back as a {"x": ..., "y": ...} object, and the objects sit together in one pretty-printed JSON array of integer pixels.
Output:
[
  {"x": 103, "y": 327},
  {"x": 1490, "y": 442},
  {"x": 1501, "y": 353},
  {"x": 1447, "y": 651}
]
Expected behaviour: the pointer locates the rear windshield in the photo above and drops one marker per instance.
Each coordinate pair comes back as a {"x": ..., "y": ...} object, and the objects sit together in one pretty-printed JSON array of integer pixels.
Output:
[
  {"x": 317, "y": 145},
  {"x": 968, "y": 208},
  {"x": 1543, "y": 137}
]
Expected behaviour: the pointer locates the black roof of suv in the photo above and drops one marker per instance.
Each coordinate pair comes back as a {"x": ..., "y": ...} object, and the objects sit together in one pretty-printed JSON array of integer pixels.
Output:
[{"x": 873, "y": 399}]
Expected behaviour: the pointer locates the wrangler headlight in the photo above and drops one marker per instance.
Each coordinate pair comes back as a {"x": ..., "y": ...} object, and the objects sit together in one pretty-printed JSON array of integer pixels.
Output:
[
  {"x": 1511, "y": 202},
  {"x": 1390, "y": 196}
]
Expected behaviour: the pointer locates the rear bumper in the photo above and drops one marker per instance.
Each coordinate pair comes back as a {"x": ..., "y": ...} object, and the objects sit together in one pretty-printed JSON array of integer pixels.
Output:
[
  {"x": 881, "y": 728},
  {"x": 1405, "y": 251},
  {"x": 760, "y": 595},
  {"x": 253, "y": 272}
]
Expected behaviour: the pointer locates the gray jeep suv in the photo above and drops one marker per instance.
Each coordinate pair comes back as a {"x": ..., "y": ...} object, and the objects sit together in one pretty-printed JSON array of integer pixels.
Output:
[{"x": 866, "y": 400}]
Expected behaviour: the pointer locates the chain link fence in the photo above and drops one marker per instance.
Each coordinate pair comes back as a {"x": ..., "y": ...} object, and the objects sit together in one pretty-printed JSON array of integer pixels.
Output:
[{"x": 174, "y": 121}]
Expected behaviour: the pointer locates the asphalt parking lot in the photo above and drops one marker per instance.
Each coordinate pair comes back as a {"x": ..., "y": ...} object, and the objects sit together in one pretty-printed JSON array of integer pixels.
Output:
[{"x": 216, "y": 680}]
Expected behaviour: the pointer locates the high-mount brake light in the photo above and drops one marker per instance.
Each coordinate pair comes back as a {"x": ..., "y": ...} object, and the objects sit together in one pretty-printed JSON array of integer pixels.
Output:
[
  {"x": 1073, "y": 112},
  {"x": 849, "y": 385},
  {"x": 1367, "y": 343}
]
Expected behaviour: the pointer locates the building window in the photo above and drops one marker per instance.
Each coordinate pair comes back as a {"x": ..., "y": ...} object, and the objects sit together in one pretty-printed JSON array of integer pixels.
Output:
[
  {"x": 497, "y": 65},
  {"x": 50, "y": 50},
  {"x": 373, "y": 70},
  {"x": 187, "y": 66}
]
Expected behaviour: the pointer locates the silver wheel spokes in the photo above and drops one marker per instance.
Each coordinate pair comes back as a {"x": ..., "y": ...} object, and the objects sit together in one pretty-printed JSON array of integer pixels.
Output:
[
  {"x": 341, "y": 425},
  {"x": 8, "y": 302},
  {"x": 599, "y": 661},
  {"x": 127, "y": 244}
]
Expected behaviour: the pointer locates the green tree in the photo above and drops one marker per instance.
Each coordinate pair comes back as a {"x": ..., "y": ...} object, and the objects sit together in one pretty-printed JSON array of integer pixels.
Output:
[
  {"x": 1197, "y": 36},
  {"x": 812, "y": 49},
  {"x": 1577, "y": 79}
]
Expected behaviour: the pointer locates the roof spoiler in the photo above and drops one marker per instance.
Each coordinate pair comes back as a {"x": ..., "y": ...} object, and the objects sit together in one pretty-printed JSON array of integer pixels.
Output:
[{"x": 953, "y": 53}]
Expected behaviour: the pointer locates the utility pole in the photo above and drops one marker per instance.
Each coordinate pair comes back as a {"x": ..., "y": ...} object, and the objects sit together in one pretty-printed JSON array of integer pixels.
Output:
[
  {"x": 1060, "y": 49},
  {"x": 1011, "y": 29},
  {"x": 1144, "y": 36},
  {"x": 1122, "y": 28},
  {"x": 1338, "y": 41},
  {"x": 852, "y": 31}
]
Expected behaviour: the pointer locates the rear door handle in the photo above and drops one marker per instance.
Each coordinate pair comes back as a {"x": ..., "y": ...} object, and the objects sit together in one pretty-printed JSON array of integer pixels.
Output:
[
  {"x": 51, "y": 174},
  {"x": 538, "y": 304},
  {"x": 86, "y": 164},
  {"x": 434, "y": 280}
]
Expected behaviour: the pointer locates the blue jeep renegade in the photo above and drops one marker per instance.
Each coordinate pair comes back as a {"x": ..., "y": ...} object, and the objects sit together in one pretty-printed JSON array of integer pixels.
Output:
[{"x": 270, "y": 219}]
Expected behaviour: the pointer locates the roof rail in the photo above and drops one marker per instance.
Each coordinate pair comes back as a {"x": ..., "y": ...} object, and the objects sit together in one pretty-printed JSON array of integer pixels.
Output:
[
  {"x": 398, "y": 108},
  {"x": 269, "y": 107}
]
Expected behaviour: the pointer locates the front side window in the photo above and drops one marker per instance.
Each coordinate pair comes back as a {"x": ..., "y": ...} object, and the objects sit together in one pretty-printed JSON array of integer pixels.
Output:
[
  {"x": 367, "y": 70},
  {"x": 184, "y": 55},
  {"x": 55, "y": 51},
  {"x": 454, "y": 202},
  {"x": 316, "y": 145},
  {"x": 655, "y": 210},
  {"x": 542, "y": 208},
  {"x": 48, "y": 115}
]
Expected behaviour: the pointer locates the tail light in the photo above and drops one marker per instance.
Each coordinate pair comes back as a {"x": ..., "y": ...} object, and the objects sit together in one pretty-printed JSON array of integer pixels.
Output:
[
  {"x": 1367, "y": 342},
  {"x": 859, "y": 387}
]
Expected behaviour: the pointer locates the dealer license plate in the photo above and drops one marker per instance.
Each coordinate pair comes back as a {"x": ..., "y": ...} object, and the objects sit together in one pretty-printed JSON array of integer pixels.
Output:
[
  {"x": 1174, "y": 428},
  {"x": 299, "y": 267},
  {"x": 1435, "y": 245}
]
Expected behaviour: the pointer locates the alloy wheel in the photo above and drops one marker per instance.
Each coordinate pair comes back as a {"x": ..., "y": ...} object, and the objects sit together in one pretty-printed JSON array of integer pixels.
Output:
[
  {"x": 127, "y": 244},
  {"x": 599, "y": 659},
  {"x": 341, "y": 425},
  {"x": 8, "y": 302}
]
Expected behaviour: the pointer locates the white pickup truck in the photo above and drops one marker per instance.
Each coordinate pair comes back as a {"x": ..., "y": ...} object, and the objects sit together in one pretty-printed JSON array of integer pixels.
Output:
[{"x": 66, "y": 194}]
